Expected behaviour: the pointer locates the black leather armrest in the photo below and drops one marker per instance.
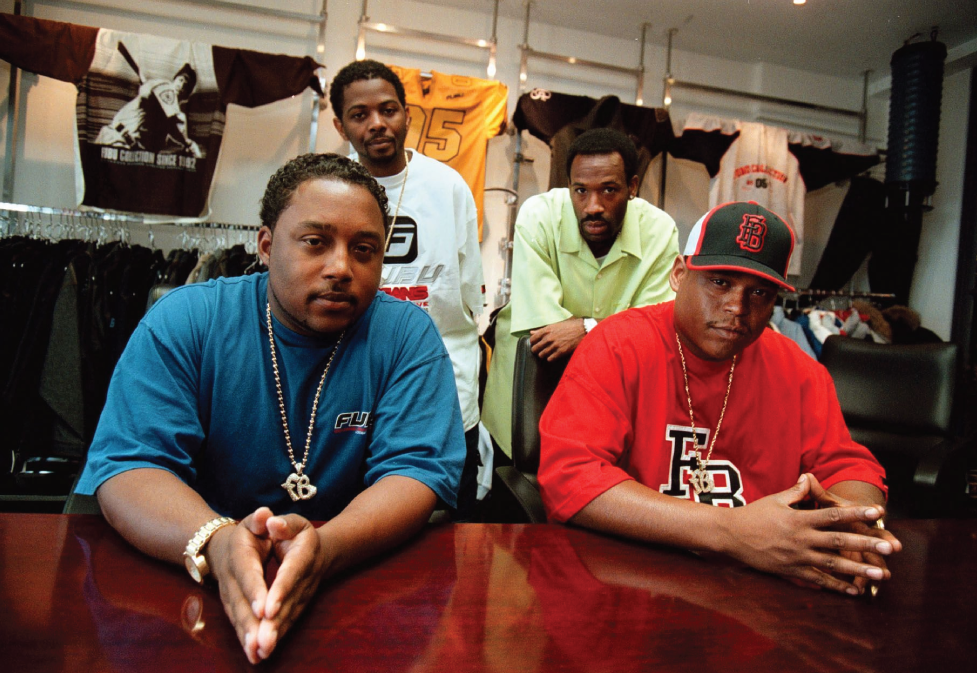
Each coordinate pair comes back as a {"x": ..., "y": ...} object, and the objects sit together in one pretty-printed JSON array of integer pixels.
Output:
[
  {"x": 526, "y": 496},
  {"x": 937, "y": 465},
  {"x": 81, "y": 504},
  {"x": 940, "y": 479}
]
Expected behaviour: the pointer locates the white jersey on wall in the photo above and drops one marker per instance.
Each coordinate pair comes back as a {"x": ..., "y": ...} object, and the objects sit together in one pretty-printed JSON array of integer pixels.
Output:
[
  {"x": 775, "y": 167},
  {"x": 434, "y": 261}
]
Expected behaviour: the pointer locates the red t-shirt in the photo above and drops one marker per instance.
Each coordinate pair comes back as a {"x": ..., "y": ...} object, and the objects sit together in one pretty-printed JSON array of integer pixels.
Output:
[{"x": 621, "y": 413}]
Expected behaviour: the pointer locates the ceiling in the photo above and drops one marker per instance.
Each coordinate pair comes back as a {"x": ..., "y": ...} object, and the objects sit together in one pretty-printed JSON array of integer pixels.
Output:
[{"x": 838, "y": 37}]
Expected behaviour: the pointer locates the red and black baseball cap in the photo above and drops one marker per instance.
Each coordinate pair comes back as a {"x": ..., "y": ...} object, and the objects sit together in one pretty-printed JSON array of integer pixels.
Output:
[{"x": 742, "y": 236}]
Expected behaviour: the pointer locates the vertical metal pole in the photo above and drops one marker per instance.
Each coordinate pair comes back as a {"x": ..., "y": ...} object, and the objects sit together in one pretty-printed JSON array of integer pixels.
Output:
[
  {"x": 490, "y": 71},
  {"x": 667, "y": 97},
  {"x": 639, "y": 98},
  {"x": 320, "y": 53},
  {"x": 13, "y": 118},
  {"x": 863, "y": 120},
  {"x": 524, "y": 48},
  {"x": 505, "y": 284},
  {"x": 361, "y": 38},
  {"x": 666, "y": 103}
]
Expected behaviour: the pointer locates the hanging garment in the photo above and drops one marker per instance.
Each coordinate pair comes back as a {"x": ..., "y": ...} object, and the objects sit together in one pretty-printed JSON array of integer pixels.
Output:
[
  {"x": 791, "y": 330},
  {"x": 772, "y": 166},
  {"x": 150, "y": 110},
  {"x": 865, "y": 226},
  {"x": 857, "y": 229},
  {"x": 452, "y": 118},
  {"x": 70, "y": 308},
  {"x": 558, "y": 119}
]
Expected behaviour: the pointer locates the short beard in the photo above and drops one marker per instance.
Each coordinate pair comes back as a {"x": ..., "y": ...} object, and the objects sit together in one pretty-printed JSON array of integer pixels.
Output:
[{"x": 307, "y": 329}]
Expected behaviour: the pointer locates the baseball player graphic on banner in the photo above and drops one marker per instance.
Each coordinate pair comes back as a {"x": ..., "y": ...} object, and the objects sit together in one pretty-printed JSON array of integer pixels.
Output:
[
  {"x": 154, "y": 120},
  {"x": 151, "y": 110}
]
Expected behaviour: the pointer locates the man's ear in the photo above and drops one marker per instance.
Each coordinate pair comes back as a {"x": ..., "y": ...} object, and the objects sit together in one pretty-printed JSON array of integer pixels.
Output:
[
  {"x": 633, "y": 187},
  {"x": 264, "y": 244},
  {"x": 677, "y": 273},
  {"x": 339, "y": 127}
]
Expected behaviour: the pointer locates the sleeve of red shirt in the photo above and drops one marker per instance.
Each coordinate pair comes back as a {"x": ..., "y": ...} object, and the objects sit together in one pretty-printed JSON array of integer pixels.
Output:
[
  {"x": 830, "y": 454},
  {"x": 586, "y": 426}
]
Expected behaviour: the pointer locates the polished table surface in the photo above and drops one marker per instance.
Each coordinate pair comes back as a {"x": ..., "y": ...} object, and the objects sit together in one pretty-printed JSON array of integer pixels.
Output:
[{"x": 489, "y": 597}]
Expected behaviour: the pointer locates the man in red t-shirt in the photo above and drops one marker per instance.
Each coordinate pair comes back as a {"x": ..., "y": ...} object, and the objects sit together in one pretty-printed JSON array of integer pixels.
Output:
[{"x": 671, "y": 407}]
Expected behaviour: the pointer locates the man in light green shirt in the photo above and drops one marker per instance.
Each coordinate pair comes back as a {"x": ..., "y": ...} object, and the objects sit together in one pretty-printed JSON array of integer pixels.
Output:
[{"x": 580, "y": 255}]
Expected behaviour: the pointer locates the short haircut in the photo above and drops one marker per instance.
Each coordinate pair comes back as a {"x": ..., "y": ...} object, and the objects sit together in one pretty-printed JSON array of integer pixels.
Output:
[
  {"x": 605, "y": 141},
  {"x": 287, "y": 179},
  {"x": 362, "y": 70}
]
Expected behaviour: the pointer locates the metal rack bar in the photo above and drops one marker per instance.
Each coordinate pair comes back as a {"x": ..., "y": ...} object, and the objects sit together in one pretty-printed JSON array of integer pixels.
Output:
[
  {"x": 13, "y": 121},
  {"x": 217, "y": 4},
  {"x": 838, "y": 293},
  {"x": 671, "y": 82},
  {"x": 119, "y": 218},
  {"x": 320, "y": 52},
  {"x": 527, "y": 52},
  {"x": 490, "y": 44},
  {"x": 572, "y": 60},
  {"x": 763, "y": 98}
]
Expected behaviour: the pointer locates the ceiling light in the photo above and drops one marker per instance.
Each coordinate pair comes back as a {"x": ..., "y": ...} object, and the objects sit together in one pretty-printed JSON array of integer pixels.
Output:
[{"x": 800, "y": 2}]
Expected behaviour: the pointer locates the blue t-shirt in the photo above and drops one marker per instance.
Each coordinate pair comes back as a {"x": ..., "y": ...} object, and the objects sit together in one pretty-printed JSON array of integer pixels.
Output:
[{"x": 194, "y": 393}]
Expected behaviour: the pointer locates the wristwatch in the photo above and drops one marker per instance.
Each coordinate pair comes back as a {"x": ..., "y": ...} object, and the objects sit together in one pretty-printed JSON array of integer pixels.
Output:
[
  {"x": 193, "y": 555},
  {"x": 589, "y": 324}
]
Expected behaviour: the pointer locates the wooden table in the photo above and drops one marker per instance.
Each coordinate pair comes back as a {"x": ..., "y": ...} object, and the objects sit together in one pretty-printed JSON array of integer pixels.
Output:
[{"x": 488, "y": 597}]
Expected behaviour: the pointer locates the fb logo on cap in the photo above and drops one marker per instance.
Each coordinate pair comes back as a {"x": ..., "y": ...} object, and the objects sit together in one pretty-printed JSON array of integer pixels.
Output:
[{"x": 753, "y": 231}]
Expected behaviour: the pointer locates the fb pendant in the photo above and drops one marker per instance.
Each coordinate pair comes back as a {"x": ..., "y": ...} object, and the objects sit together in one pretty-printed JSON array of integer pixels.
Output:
[
  {"x": 701, "y": 481},
  {"x": 299, "y": 487}
]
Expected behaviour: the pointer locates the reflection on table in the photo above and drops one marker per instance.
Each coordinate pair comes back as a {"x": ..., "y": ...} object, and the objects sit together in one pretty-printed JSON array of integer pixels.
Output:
[{"x": 488, "y": 597}]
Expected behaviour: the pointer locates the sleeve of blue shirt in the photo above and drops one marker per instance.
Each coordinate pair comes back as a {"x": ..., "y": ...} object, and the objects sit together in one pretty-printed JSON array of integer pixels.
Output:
[
  {"x": 150, "y": 418},
  {"x": 417, "y": 426}
]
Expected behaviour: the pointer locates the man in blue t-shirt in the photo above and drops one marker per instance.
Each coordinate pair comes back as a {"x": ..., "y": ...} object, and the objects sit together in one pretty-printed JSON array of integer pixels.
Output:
[{"x": 242, "y": 408}]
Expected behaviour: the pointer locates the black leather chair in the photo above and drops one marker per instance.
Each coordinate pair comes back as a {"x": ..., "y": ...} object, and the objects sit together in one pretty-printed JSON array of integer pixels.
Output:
[
  {"x": 533, "y": 382},
  {"x": 76, "y": 503},
  {"x": 898, "y": 400}
]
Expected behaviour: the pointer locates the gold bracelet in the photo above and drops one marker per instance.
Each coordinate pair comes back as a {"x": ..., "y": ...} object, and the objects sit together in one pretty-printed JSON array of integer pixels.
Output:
[{"x": 193, "y": 555}]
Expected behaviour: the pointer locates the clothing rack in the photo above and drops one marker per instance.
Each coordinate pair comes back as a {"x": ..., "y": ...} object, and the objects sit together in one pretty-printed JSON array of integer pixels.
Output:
[
  {"x": 13, "y": 98},
  {"x": 671, "y": 83},
  {"x": 97, "y": 226},
  {"x": 505, "y": 245},
  {"x": 528, "y": 52},
  {"x": 490, "y": 44},
  {"x": 813, "y": 295}
]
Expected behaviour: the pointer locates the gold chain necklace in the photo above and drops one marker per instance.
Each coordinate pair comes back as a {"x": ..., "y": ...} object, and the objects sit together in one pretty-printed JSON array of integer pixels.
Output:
[
  {"x": 297, "y": 484},
  {"x": 701, "y": 480},
  {"x": 400, "y": 197}
]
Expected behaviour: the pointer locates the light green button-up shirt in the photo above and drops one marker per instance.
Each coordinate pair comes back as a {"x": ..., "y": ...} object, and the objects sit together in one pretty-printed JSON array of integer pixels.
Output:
[{"x": 555, "y": 277}]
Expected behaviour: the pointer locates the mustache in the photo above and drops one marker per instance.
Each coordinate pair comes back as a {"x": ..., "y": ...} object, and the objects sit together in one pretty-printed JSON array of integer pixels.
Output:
[
  {"x": 732, "y": 326},
  {"x": 596, "y": 218},
  {"x": 334, "y": 295}
]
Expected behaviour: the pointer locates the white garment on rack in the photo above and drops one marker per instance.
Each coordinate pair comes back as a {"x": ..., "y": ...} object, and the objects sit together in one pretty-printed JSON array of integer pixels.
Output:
[
  {"x": 775, "y": 167},
  {"x": 758, "y": 167}
]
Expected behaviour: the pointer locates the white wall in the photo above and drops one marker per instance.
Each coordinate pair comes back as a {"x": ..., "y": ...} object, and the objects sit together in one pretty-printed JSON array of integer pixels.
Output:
[
  {"x": 258, "y": 141},
  {"x": 936, "y": 270}
]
